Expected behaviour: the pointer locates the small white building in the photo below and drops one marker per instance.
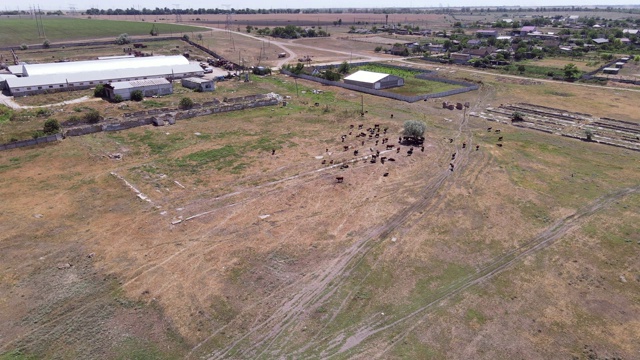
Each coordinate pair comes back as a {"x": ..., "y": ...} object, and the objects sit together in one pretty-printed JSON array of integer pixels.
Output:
[
  {"x": 373, "y": 80},
  {"x": 610, "y": 70},
  {"x": 149, "y": 87},
  {"x": 198, "y": 84}
]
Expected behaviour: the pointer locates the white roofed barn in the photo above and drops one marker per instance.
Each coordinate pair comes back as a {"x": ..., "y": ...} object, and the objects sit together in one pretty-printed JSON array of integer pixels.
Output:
[
  {"x": 373, "y": 80},
  {"x": 66, "y": 76}
]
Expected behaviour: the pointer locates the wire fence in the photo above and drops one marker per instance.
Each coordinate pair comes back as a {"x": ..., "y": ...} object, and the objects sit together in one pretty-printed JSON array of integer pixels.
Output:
[{"x": 423, "y": 74}]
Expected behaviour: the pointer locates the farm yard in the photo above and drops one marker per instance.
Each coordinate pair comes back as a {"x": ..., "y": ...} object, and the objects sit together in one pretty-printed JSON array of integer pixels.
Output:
[{"x": 312, "y": 228}]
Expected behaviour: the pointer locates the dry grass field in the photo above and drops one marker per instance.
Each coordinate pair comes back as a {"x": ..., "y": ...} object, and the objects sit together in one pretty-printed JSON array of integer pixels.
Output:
[
  {"x": 525, "y": 251},
  {"x": 529, "y": 250}
]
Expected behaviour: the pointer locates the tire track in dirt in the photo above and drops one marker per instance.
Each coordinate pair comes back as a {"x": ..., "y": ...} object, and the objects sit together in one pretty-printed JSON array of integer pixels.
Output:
[
  {"x": 317, "y": 287},
  {"x": 464, "y": 161},
  {"x": 536, "y": 244}
]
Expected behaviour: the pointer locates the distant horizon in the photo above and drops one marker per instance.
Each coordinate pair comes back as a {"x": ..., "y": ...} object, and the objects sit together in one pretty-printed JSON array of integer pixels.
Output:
[{"x": 66, "y": 5}]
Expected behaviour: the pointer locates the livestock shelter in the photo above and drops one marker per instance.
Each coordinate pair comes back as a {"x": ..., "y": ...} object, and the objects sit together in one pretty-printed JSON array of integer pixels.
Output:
[
  {"x": 149, "y": 87},
  {"x": 3, "y": 81},
  {"x": 373, "y": 80},
  {"x": 78, "y": 75},
  {"x": 611, "y": 70},
  {"x": 198, "y": 84}
]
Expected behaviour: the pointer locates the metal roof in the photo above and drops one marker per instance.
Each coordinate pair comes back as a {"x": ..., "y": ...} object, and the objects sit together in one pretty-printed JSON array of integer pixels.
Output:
[
  {"x": 105, "y": 75},
  {"x": 366, "y": 76},
  {"x": 73, "y": 67},
  {"x": 197, "y": 80},
  {"x": 138, "y": 83},
  {"x": 15, "y": 69}
]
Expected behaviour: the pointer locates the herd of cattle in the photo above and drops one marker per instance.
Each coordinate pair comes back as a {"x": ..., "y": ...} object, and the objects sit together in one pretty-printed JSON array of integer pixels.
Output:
[{"x": 376, "y": 135}]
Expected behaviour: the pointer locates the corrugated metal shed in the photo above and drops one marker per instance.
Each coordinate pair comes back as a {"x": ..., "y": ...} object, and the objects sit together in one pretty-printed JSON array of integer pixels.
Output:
[
  {"x": 138, "y": 83},
  {"x": 366, "y": 76}
]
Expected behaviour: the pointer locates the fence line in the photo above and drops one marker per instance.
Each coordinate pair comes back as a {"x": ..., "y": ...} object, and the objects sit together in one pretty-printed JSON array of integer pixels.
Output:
[
  {"x": 141, "y": 118},
  {"x": 31, "y": 142},
  {"x": 424, "y": 74}
]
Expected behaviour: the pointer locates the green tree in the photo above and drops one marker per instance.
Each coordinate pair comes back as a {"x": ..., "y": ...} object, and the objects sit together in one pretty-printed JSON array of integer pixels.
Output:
[
  {"x": 99, "y": 91},
  {"x": 521, "y": 69},
  {"x": 51, "y": 126},
  {"x": 571, "y": 71},
  {"x": 46, "y": 44},
  {"x": 137, "y": 95},
  {"x": 414, "y": 128},
  {"x": 249, "y": 28},
  {"x": 185, "y": 37},
  {"x": 186, "y": 103},
  {"x": 344, "y": 68},
  {"x": 24, "y": 47},
  {"x": 331, "y": 75},
  {"x": 123, "y": 39},
  {"x": 199, "y": 37},
  {"x": 589, "y": 134},
  {"x": 517, "y": 116}
]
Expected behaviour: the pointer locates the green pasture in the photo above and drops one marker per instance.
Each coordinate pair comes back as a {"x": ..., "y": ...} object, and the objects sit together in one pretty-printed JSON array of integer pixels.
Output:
[{"x": 14, "y": 32}]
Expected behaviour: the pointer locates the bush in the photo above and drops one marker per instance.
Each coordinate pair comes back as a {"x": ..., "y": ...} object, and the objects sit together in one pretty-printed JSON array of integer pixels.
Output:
[
  {"x": 186, "y": 103},
  {"x": 24, "y": 47},
  {"x": 44, "y": 112},
  {"x": 137, "y": 95},
  {"x": 123, "y": 39},
  {"x": 37, "y": 134},
  {"x": 331, "y": 76},
  {"x": 51, "y": 126},
  {"x": 517, "y": 116},
  {"x": 414, "y": 128},
  {"x": 100, "y": 91},
  {"x": 46, "y": 44},
  {"x": 185, "y": 37},
  {"x": 378, "y": 49},
  {"x": 117, "y": 99},
  {"x": 92, "y": 116}
]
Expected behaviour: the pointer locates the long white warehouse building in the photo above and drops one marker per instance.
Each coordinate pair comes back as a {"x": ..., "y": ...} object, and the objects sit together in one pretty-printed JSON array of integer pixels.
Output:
[{"x": 65, "y": 76}]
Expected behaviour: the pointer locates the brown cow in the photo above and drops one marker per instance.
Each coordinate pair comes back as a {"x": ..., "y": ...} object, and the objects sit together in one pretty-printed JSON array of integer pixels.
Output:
[
  {"x": 355, "y": 153},
  {"x": 464, "y": 145},
  {"x": 477, "y": 147},
  {"x": 346, "y": 147},
  {"x": 500, "y": 138},
  {"x": 499, "y": 145},
  {"x": 339, "y": 179},
  {"x": 385, "y": 174},
  {"x": 398, "y": 150},
  {"x": 389, "y": 147}
]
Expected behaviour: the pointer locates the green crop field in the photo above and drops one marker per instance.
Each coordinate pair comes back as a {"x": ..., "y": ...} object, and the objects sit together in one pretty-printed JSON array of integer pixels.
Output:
[{"x": 14, "y": 32}]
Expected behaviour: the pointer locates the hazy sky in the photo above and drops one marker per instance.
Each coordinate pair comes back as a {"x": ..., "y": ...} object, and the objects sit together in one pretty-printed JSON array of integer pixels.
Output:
[{"x": 255, "y": 4}]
